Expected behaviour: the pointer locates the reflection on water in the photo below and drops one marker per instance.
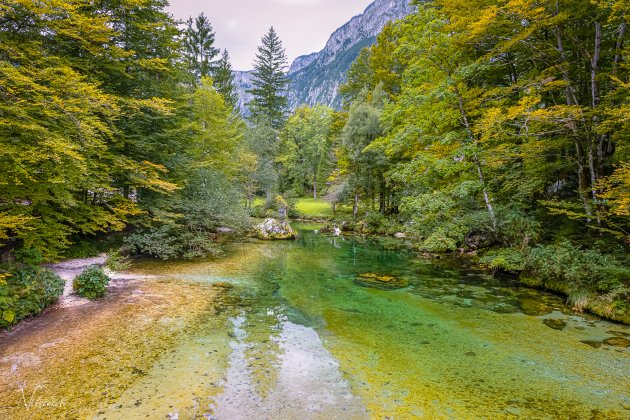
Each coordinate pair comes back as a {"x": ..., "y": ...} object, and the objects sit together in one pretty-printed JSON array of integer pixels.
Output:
[{"x": 347, "y": 328}]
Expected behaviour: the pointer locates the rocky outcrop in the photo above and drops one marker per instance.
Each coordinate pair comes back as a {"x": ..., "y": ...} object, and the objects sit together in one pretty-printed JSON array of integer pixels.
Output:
[
  {"x": 272, "y": 229},
  {"x": 315, "y": 78},
  {"x": 243, "y": 83}
]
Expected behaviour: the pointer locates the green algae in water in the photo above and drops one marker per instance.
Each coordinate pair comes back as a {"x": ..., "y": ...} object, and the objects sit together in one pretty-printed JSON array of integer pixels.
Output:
[{"x": 305, "y": 340}]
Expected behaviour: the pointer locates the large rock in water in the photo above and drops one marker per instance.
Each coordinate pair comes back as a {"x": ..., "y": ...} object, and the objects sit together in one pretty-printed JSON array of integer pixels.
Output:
[{"x": 275, "y": 229}]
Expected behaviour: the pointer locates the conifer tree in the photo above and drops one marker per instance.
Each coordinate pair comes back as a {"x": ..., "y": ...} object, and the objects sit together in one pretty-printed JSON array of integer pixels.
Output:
[
  {"x": 199, "y": 49},
  {"x": 224, "y": 80},
  {"x": 270, "y": 82}
]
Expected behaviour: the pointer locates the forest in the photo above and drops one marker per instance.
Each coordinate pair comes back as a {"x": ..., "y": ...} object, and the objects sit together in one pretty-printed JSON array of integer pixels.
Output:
[{"x": 494, "y": 130}]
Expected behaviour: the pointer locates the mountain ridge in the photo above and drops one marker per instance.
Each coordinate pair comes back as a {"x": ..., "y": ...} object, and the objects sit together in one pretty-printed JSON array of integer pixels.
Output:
[{"x": 315, "y": 78}]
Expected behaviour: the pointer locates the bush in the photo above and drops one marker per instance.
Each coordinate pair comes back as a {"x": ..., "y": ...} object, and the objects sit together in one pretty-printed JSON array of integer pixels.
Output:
[
  {"x": 439, "y": 241},
  {"x": 91, "y": 283},
  {"x": 115, "y": 261},
  {"x": 168, "y": 243},
  {"x": 26, "y": 291},
  {"x": 516, "y": 229},
  {"x": 28, "y": 256},
  {"x": 506, "y": 259},
  {"x": 574, "y": 270},
  {"x": 378, "y": 223},
  {"x": 208, "y": 202}
]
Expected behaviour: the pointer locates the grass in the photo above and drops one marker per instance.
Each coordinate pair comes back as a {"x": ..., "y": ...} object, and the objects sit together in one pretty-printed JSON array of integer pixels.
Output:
[
  {"x": 319, "y": 208},
  {"x": 314, "y": 208}
]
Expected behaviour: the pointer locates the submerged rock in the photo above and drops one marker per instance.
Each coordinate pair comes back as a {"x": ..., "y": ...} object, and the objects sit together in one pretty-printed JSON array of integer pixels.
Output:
[
  {"x": 383, "y": 282},
  {"x": 534, "y": 307},
  {"x": 592, "y": 343},
  {"x": 617, "y": 342},
  {"x": 274, "y": 229},
  {"x": 556, "y": 324},
  {"x": 618, "y": 333}
]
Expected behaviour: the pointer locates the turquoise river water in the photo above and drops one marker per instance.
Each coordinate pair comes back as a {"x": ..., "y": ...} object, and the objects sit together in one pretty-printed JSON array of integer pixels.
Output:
[{"x": 352, "y": 328}]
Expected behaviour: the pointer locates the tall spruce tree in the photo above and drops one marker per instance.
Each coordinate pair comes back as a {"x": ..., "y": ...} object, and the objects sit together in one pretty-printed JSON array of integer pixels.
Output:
[
  {"x": 199, "y": 49},
  {"x": 270, "y": 82},
  {"x": 224, "y": 80}
]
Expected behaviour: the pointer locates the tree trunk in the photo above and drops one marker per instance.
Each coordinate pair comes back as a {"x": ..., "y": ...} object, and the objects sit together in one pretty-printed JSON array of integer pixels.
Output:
[
  {"x": 471, "y": 137},
  {"x": 593, "y": 147},
  {"x": 381, "y": 195},
  {"x": 571, "y": 100},
  {"x": 619, "y": 46},
  {"x": 355, "y": 207},
  {"x": 315, "y": 188}
]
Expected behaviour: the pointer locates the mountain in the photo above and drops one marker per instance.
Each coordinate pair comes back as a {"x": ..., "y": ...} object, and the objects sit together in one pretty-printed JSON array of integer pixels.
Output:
[
  {"x": 243, "y": 83},
  {"x": 315, "y": 78}
]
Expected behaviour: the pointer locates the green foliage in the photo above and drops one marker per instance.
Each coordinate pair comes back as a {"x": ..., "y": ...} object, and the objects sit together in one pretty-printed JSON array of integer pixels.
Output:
[
  {"x": 91, "y": 283},
  {"x": 439, "y": 241},
  {"x": 270, "y": 82},
  {"x": 115, "y": 261},
  {"x": 207, "y": 203},
  {"x": 224, "y": 80},
  {"x": 28, "y": 256},
  {"x": 575, "y": 268},
  {"x": 505, "y": 259},
  {"x": 306, "y": 149},
  {"x": 199, "y": 49},
  {"x": 26, "y": 291},
  {"x": 80, "y": 81}
]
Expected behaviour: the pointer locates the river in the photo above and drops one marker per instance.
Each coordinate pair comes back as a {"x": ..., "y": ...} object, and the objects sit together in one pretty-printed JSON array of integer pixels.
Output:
[{"x": 325, "y": 327}]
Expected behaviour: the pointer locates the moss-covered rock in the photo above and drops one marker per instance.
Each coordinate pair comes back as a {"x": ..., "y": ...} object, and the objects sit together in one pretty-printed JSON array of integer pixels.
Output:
[
  {"x": 617, "y": 342},
  {"x": 273, "y": 229},
  {"x": 383, "y": 282}
]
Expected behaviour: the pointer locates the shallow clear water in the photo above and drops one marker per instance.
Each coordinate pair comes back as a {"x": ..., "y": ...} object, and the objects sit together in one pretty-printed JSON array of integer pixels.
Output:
[{"x": 302, "y": 335}]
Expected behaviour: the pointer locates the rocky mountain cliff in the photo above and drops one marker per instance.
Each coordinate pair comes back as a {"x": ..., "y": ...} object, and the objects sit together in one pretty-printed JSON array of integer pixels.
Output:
[
  {"x": 315, "y": 78},
  {"x": 243, "y": 83}
]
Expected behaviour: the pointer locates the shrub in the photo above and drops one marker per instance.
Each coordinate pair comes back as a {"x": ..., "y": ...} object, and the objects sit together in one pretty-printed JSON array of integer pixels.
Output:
[
  {"x": 28, "y": 256},
  {"x": 507, "y": 259},
  {"x": 115, "y": 261},
  {"x": 26, "y": 291},
  {"x": 167, "y": 243},
  {"x": 91, "y": 283},
  {"x": 576, "y": 270},
  {"x": 439, "y": 241},
  {"x": 516, "y": 229},
  {"x": 208, "y": 202}
]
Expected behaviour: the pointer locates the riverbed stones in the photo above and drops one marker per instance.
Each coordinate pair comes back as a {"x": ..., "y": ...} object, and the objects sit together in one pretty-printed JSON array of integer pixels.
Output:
[
  {"x": 534, "y": 307},
  {"x": 380, "y": 281},
  {"x": 556, "y": 324},
  {"x": 274, "y": 229},
  {"x": 617, "y": 342},
  {"x": 618, "y": 333},
  {"x": 592, "y": 343}
]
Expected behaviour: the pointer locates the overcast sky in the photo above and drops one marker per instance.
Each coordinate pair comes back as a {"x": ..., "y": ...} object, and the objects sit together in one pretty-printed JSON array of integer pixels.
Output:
[{"x": 303, "y": 25}]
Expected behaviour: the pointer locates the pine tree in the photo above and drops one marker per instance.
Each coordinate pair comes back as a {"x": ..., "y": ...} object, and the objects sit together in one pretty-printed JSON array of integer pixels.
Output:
[
  {"x": 224, "y": 80},
  {"x": 199, "y": 50},
  {"x": 270, "y": 82}
]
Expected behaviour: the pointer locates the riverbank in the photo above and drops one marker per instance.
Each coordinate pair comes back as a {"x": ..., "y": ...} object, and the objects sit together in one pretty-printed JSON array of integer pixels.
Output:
[{"x": 79, "y": 356}]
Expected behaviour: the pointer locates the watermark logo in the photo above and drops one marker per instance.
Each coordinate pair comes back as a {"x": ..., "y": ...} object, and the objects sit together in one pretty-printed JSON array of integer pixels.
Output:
[{"x": 33, "y": 400}]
